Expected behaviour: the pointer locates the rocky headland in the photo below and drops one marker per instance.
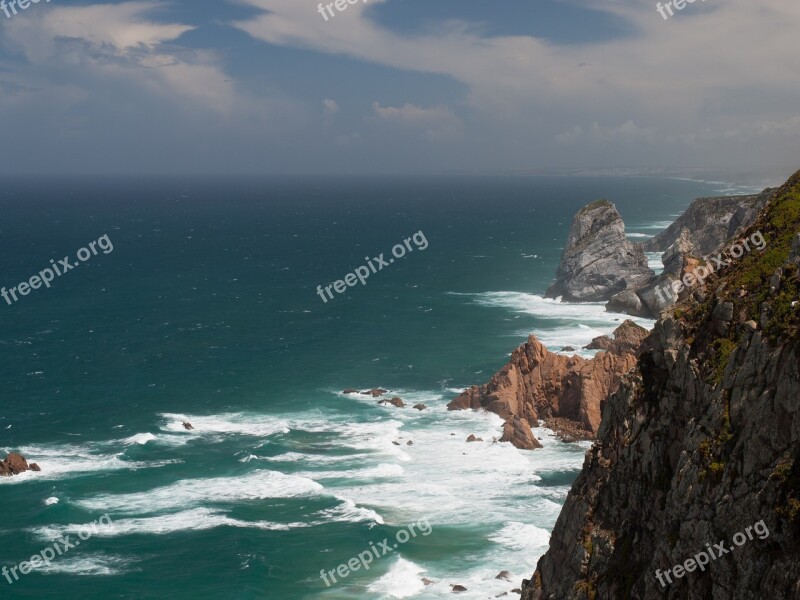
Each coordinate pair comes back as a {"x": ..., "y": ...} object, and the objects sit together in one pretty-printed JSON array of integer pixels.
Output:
[
  {"x": 700, "y": 440},
  {"x": 702, "y": 229},
  {"x": 566, "y": 391}
]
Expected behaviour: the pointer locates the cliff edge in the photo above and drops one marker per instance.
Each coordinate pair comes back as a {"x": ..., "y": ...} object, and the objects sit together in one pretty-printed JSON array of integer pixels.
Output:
[{"x": 700, "y": 443}]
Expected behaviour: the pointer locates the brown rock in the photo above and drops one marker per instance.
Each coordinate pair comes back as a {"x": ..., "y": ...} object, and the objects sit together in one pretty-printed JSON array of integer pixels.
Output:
[
  {"x": 518, "y": 432},
  {"x": 350, "y": 391},
  {"x": 602, "y": 342},
  {"x": 537, "y": 384},
  {"x": 472, "y": 438},
  {"x": 427, "y": 581},
  {"x": 14, "y": 464},
  {"x": 505, "y": 575},
  {"x": 376, "y": 392},
  {"x": 34, "y": 467},
  {"x": 187, "y": 426},
  {"x": 394, "y": 402},
  {"x": 458, "y": 588},
  {"x": 420, "y": 406}
]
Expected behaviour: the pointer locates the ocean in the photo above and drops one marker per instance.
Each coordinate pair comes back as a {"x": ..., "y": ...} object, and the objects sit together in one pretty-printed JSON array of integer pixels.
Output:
[{"x": 207, "y": 312}]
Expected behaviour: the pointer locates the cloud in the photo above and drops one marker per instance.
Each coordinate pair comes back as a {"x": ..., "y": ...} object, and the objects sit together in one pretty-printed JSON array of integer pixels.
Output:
[
  {"x": 330, "y": 106},
  {"x": 436, "y": 123},
  {"x": 120, "y": 42},
  {"x": 665, "y": 79}
]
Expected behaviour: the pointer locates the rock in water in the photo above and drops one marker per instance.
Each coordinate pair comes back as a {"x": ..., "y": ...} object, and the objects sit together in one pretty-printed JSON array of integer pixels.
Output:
[
  {"x": 188, "y": 426},
  {"x": 518, "y": 432},
  {"x": 567, "y": 391},
  {"x": 394, "y": 402},
  {"x": 598, "y": 260},
  {"x": 14, "y": 464}
]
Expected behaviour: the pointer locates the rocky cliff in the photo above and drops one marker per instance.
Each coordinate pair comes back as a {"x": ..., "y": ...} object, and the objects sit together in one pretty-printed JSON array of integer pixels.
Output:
[
  {"x": 566, "y": 391},
  {"x": 598, "y": 260},
  {"x": 700, "y": 442},
  {"x": 709, "y": 222}
]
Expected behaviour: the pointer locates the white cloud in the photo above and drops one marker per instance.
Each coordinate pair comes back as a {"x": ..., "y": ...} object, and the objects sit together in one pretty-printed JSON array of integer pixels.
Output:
[
  {"x": 330, "y": 106},
  {"x": 664, "y": 80},
  {"x": 118, "y": 41},
  {"x": 436, "y": 122}
]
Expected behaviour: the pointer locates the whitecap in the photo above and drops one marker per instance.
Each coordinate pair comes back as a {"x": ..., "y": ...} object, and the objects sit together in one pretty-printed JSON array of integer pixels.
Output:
[
  {"x": 226, "y": 423},
  {"x": 259, "y": 485},
  {"x": 401, "y": 581}
]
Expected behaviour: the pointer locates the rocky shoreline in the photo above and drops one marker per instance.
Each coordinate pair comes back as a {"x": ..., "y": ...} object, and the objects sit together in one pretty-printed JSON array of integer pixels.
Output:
[{"x": 701, "y": 438}]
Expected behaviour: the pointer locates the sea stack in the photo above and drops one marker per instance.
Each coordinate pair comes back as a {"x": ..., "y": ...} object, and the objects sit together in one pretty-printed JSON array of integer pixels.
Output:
[{"x": 598, "y": 260}]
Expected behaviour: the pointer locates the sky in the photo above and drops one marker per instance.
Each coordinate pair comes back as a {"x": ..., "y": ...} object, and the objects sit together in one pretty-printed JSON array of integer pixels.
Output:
[{"x": 397, "y": 86}]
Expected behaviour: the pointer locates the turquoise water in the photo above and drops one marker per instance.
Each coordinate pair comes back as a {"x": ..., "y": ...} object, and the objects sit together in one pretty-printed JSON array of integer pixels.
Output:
[{"x": 206, "y": 311}]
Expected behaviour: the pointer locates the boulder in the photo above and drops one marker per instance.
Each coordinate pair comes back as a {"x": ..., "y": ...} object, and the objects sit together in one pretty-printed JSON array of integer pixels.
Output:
[
  {"x": 420, "y": 406},
  {"x": 394, "y": 402},
  {"x": 34, "y": 467},
  {"x": 599, "y": 260},
  {"x": 628, "y": 302},
  {"x": 375, "y": 392},
  {"x": 14, "y": 464},
  {"x": 188, "y": 426},
  {"x": 567, "y": 349},
  {"x": 427, "y": 581},
  {"x": 472, "y": 438},
  {"x": 602, "y": 342},
  {"x": 518, "y": 432},
  {"x": 458, "y": 588},
  {"x": 350, "y": 391},
  {"x": 504, "y": 575}
]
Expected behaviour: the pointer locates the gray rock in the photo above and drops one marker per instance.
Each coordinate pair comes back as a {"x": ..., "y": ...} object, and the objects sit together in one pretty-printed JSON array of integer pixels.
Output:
[
  {"x": 598, "y": 260},
  {"x": 710, "y": 222},
  {"x": 627, "y": 302}
]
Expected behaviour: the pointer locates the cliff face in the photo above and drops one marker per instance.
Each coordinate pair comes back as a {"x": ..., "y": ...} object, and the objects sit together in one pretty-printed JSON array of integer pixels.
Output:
[
  {"x": 598, "y": 260},
  {"x": 709, "y": 222},
  {"x": 567, "y": 391},
  {"x": 701, "y": 440},
  {"x": 705, "y": 226}
]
